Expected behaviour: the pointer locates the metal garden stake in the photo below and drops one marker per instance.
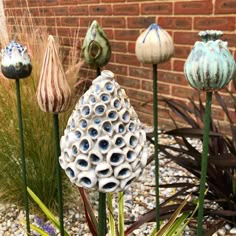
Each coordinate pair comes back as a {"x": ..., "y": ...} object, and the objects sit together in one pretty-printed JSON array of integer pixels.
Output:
[
  {"x": 16, "y": 64},
  {"x": 155, "y": 46},
  {"x": 209, "y": 68}
]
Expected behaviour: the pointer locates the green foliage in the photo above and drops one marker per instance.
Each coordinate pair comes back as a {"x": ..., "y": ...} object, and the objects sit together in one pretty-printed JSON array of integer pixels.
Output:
[{"x": 222, "y": 156}]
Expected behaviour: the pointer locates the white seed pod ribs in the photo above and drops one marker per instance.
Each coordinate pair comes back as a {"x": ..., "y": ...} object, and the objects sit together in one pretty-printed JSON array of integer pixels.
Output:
[{"x": 108, "y": 139}]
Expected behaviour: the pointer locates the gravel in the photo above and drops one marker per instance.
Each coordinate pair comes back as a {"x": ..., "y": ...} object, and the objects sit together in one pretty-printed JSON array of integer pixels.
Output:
[{"x": 139, "y": 198}]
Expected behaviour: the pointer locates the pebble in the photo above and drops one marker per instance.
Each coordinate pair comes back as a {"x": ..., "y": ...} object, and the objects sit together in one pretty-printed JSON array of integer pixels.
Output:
[{"x": 139, "y": 198}]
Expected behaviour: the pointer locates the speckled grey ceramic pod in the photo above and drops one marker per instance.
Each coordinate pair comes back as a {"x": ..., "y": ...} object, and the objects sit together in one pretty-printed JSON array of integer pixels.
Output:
[{"x": 104, "y": 145}]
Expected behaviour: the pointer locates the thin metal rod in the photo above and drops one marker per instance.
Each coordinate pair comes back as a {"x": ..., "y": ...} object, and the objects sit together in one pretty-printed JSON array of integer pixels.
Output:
[
  {"x": 22, "y": 154},
  {"x": 155, "y": 124},
  {"x": 58, "y": 171},
  {"x": 204, "y": 160}
]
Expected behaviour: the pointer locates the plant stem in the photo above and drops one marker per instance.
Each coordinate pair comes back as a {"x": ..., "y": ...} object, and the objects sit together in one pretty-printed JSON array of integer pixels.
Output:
[
  {"x": 102, "y": 201},
  {"x": 22, "y": 154},
  {"x": 155, "y": 124},
  {"x": 58, "y": 171},
  {"x": 121, "y": 213},
  {"x": 207, "y": 120},
  {"x": 111, "y": 214}
]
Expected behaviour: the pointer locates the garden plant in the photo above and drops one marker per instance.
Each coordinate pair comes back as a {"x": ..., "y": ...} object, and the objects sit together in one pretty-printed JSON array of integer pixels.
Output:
[{"x": 103, "y": 145}]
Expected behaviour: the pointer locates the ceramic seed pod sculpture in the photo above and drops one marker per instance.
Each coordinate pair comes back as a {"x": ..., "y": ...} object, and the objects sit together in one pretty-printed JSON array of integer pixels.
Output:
[
  {"x": 154, "y": 45},
  {"x": 53, "y": 92},
  {"x": 96, "y": 47},
  {"x": 210, "y": 66},
  {"x": 103, "y": 146},
  {"x": 16, "y": 63}
]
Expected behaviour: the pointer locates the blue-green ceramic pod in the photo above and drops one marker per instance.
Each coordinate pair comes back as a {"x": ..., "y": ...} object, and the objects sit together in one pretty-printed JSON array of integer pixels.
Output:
[
  {"x": 96, "y": 48},
  {"x": 209, "y": 66},
  {"x": 16, "y": 63}
]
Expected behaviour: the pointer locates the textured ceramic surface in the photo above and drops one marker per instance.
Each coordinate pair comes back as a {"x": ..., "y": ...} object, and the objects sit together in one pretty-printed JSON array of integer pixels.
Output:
[
  {"x": 96, "y": 47},
  {"x": 16, "y": 63},
  {"x": 104, "y": 145},
  {"x": 154, "y": 45},
  {"x": 210, "y": 65},
  {"x": 53, "y": 92}
]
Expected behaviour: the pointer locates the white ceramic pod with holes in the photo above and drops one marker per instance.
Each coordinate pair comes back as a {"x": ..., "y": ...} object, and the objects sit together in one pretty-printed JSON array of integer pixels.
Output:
[{"x": 87, "y": 179}]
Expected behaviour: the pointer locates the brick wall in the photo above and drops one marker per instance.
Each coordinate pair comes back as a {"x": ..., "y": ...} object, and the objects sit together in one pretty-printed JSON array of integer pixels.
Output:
[{"x": 123, "y": 20}]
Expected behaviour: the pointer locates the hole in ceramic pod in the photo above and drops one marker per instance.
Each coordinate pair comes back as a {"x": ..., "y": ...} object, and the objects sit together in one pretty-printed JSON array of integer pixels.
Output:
[
  {"x": 96, "y": 120},
  {"x": 87, "y": 179},
  {"x": 124, "y": 184},
  {"x": 116, "y": 103},
  {"x": 82, "y": 162},
  {"x": 63, "y": 162},
  {"x": 78, "y": 134},
  {"x": 69, "y": 157},
  {"x": 71, "y": 172},
  {"x": 112, "y": 115},
  {"x": 97, "y": 88},
  {"x": 120, "y": 128},
  {"x": 86, "y": 110},
  {"x": 131, "y": 140},
  {"x": 80, "y": 103},
  {"x": 85, "y": 144},
  {"x": 121, "y": 92},
  {"x": 115, "y": 156},
  {"x": 95, "y": 157},
  {"x": 130, "y": 154},
  {"x": 105, "y": 97},
  {"x": 131, "y": 126},
  {"x": 107, "y": 74},
  {"x": 144, "y": 157},
  {"x": 124, "y": 115},
  {"x": 135, "y": 164},
  {"x": 103, "y": 169},
  {"x": 119, "y": 140},
  {"x": 108, "y": 185},
  {"x": 70, "y": 138},
  {"x": 122, "y": 171},
  {"x": 83, "y": 124},
  {"x": 92, "y": 99},
  {"x": 107, "y": 127},
  {"x": 109, "y": 86},
  {"x": 93, "y": 132},
  {"x": 104, "y": 144},
  {"x": 75, "y": 148},
  {"x": 100, "y": 109}
]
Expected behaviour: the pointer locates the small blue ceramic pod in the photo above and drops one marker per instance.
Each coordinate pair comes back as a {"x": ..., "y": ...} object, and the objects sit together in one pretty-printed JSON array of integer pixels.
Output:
[
  {"x": 115, "y": 156},
  {"x": 95, "y": 156},
  {"x": 86, "y": 110},
  {"x": 118, "y": 141},
  {"x": 71, "y": 172},
  {"x": 104, "y": 144},
  {"x": 124, "y": 183},
  {"x": 131, "y": 140},
  {"x": 100, "y": 109},
  {"x": 87, "y": 179},
  {"x": 85, "y": 144},
  {"x": 82, "y": 162},
  {"x": 103, "y": 169},
  {"x": 124, "y": 115},
  {"x": 116, "y": 103},
  {"x": 130, "y": 154},
  {"x": 112, "y": 115},
  {"x": 123, "y": 171},
  {"x": 93, "y": 131},
  {"x": 107, "y": 127},
  {"x": 108, "y": 185}
]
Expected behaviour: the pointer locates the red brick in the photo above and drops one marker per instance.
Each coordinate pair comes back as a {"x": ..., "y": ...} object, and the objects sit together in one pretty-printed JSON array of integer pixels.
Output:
[
  {"x": 117, "y": 69},
  {"x": 218, "y": 23},
  {"x": 179, "y": 65},
  {"x": 61, "y": 11},
  {"x": 230, "y": 38},
  {"x": 181, "y": 51},
  {"x": 140, "y": 22},
  {"x": 87, "y": 21},
  {"x": 126, "y": 59},
  {"x": 139, "y": 95},
  {"x": 116, "y": 22},
  {"x": 162, "y": 87},
  {"x": 85, "y": 1},
  {"x": 49, "y": 2},
  {"x": 70, "y": 21},
  {"x": 225, "y": 6},
  {"x": 126, "y": 9},
  {"x": 71, "y": 2},
  {"x": 182, "y": 92},
  {"x": 78, "y": 10},
  {"x": 118, "y": 46},
  {"x": 172, "y": 77},
  {"x": 63, "y": 31},
  {"x": 193, "y": 7},
  {"x": 186, "y": 38},
  {"x": 165, "y": 65},
  {"x": 100, "y": 10},
  {"x": 140, "y": 72},
  {"x": 112, "y": 1},
  {"x": 126, "y": 34},
  {"x": 52, "y": 21},
  {"x": 156, "y": 8},
  {"x": 128, "y": 82},
  {"x": 46, "y": 11},
  {"x": 175, "y": 22},
  {"x": 131, "y": 47}
]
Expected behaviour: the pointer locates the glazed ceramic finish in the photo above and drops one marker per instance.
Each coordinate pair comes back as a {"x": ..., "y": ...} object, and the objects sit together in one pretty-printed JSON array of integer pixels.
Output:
[
  {"x": 16, "y": 63},
  {"x": 53, "y": 92},
  {"x": 210, "y": 65},
  {"x": 154, "y": 45},
  {"x": 96, "y": 47},
  {"x": 104, "y": 145}
]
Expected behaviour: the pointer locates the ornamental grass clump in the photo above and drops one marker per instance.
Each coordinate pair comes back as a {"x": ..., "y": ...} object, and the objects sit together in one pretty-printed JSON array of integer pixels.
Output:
[{"x": 209, "y": 67}]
